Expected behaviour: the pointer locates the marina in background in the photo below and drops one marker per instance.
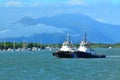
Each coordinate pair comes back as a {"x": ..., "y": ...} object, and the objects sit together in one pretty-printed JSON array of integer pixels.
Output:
[{"x": 36, "y": 46}]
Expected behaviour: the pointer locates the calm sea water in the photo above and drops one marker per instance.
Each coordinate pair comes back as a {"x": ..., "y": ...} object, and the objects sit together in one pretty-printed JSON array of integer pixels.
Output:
[{"x": 41, "y": 65}]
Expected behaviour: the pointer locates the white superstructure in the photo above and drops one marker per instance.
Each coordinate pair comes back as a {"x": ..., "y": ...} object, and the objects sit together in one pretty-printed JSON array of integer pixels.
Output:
[
  {"x": 85, "y": 47},
  {"x": 67, "y": 45}
]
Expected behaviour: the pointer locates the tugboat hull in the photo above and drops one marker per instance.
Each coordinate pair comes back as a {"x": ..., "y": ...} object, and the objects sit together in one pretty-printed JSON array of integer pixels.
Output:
[{"x": 76, "y": 54}]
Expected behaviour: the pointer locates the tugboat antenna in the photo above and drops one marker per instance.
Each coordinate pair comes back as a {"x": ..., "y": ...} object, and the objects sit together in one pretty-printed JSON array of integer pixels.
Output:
[
  {"x": 68, "y": 37},
  {"x": 85, "y": 38}
]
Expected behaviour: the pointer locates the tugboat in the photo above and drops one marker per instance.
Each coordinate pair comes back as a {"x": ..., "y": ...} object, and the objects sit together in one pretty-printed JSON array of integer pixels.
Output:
[
  {"x": 84, "y": 50},
  {"x": 66, "y": 50}
]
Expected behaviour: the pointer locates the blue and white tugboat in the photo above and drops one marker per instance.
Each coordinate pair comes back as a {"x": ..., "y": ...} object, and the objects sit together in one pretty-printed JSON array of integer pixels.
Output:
[
  {"x": 66, "y": 50},
  {"x": 84, "y": 50}
]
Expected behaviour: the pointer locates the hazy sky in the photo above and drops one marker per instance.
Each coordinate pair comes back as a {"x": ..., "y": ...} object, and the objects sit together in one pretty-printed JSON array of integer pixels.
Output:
[
  {"x": 102, "y": 10},
  {"x": 106, "y": 11}
]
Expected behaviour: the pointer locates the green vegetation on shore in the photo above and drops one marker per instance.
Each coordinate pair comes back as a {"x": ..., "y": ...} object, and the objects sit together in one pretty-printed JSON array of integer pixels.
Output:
[
  {"x": 101, "y": 45},
  {"x": 15, "y": 45},
  {"x": 12, "y": 45}
]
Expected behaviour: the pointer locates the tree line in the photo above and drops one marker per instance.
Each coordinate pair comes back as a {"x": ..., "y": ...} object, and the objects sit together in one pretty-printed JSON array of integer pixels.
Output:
[{"x": 15, "y": 45}]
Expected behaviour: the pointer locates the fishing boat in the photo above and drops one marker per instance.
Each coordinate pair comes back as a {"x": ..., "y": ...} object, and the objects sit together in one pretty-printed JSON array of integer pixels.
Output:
[{"x": 84, "y": 50}]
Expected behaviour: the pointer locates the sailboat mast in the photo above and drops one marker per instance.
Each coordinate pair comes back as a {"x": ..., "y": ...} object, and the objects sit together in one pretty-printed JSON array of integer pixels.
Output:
[
  {"x": 4, "y": 45},
  {"x": 14, "y": 45},
  {"x": 24, "y": 45}
]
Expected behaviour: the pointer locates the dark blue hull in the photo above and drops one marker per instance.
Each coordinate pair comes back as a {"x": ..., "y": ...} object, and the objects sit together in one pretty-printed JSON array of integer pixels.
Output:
[{"x": 76, "y": 54}]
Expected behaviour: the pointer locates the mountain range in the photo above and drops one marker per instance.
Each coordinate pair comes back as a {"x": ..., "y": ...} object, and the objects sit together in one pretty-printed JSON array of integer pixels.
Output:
[{"x": 74, "y": 24}]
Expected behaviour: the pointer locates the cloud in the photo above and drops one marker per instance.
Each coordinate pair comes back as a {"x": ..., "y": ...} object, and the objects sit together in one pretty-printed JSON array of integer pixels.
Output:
[
  {"x": 115, "y": 2},
  {"x": 36, "y": 4},
  {"x": 76, "y": 2},
  {"x": 4, "y": 31},
  {"x": 100, "y": 19},
  {"x": 42, "y": 28},
  {"x": 27, "y": 31},
  {"x": 13, "y": 4}
]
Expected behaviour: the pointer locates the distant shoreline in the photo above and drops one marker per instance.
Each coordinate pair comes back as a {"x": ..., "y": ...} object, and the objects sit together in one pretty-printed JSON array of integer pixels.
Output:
[{"x": 15, "y": 45}]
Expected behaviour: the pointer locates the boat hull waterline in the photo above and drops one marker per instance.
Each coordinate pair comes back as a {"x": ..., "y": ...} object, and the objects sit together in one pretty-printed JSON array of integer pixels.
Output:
[{"x": 76, "y": 54}]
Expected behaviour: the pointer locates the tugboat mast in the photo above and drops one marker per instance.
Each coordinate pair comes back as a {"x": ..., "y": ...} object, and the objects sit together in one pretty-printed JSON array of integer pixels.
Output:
[
  {"x": 84, "y": 50},
  {"x": 68, "y": 38},
  {"x": 85, "y": 38}
]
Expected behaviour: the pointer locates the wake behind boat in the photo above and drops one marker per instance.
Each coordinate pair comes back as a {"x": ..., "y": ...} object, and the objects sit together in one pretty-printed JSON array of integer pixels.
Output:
[{"x": 84, "y": 50}]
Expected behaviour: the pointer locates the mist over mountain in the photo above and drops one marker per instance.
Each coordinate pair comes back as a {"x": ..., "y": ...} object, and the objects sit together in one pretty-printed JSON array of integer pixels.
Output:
[{"x": 74, "y": 24}]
